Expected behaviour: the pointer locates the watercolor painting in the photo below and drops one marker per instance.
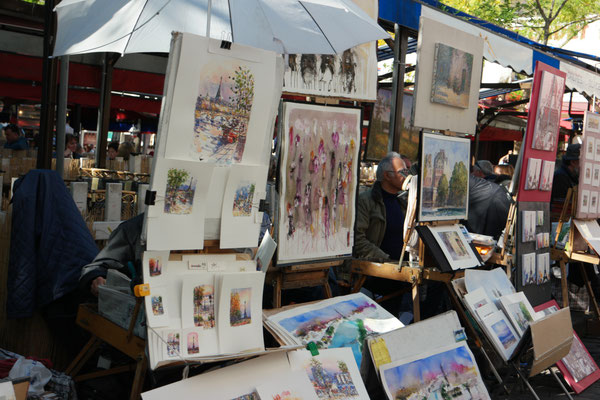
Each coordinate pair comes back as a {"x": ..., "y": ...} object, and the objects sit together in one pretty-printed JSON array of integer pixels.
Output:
[
  {"x": 504, "y": 334},
  {"x": 444, "y": 178},
  {"x": 157, "y": 305},
  {"x": 179, "y": 195},
  {"x": 547, "y": 117},
  {"x": 155, "y": 266},
  {"x": 173, "y": 344},
  {"x": 320, "y": 157},
  {"x": 249, "y": 396},
  {"x": 528, "y": 274},
  {"x": 240, "y": 307},
  {"x": 533, "y": 174},
  {"x": 450, "y": 374},
  {"x": 378, "y": 141},
  {"x": 222, "y": 112},
  {"x": 331, "y": 380},
  {"x": 242, "y": 199},
  {"x": 451, "y": 76},
  {"x": 410, "y": 136},
  {"x": 204, "y": 306},
  {"x": 192, "y": 343},
  {"x": 454, "y": 245},
  {"x": 519, "y": 314},
  {"x": 579, "y": 362}
]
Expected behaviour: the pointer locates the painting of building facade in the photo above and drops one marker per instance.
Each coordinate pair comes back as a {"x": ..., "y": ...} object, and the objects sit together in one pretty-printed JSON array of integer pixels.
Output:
[
  {"x": 222, "y": 112},
  {"x": 318, "y": 175},
  {"x": 378, "y": 141},
  {"x": 451, "y": 76},
  {"x": 547, "y": 117},
  {"x": 179, "y": 193},
  {"x": 444, "y": 189},
  {"x": 204, "y": 306}
]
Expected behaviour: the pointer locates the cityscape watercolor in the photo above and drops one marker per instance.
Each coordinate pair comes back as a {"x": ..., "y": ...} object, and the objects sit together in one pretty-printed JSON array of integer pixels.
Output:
[
  {"x": 331, "y": 379},
  {"x": 242, "y": 199},
  {"x": 173, "y": 340},
  {"x": 240, "y": 306},
  {"x": 222, "y": 112},
  {"x": 452, "y": 72},
  {"x": 155, "y": 265},
  {"x": 157, "y": 305},
  {"x": 179, "y": 194},
  {"x": 192, "y": 343},
  {"x": 204, "y": 306}
]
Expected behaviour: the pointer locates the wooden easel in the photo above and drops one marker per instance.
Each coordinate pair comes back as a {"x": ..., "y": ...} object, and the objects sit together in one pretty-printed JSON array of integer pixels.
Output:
[{"x": 563, "y": 256}]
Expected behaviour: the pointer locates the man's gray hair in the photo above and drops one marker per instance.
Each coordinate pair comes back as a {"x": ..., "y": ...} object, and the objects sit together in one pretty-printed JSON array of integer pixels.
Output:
[{"x": 385, "y": 165}]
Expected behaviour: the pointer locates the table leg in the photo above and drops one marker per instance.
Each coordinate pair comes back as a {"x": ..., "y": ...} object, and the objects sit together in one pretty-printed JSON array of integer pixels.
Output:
[
  {"x": 416, "y": 302},
  {"x": 277, "y": 290},
  {"x": 138, "y": 380}
]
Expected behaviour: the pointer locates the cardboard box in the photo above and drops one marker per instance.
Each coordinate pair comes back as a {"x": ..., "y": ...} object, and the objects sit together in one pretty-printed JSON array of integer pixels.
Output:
[{"x": 552, "y": 337}]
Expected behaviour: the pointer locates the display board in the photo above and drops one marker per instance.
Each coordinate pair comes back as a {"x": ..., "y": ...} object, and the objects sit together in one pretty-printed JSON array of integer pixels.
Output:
[
  {"x": 351, "y": 74},
  {"x": 541, "y": 138},
  {"x": 588, "y": 190},
  {"x": 448, "y": 76},
  {"x": 318, "y": 181}
]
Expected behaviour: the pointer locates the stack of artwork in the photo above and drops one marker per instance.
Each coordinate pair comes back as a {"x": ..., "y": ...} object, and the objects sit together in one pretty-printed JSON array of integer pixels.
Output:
[
  {"x": 588, "y": 189},
  {"x": 578, "y": 367},
  {"x": 535, "y": 267},
  {"x": 342, "y": 321},
  {"x": 218, "y": 115},
  {"x": 318, "y": 181},
  {"x": 202, "y": 306}
]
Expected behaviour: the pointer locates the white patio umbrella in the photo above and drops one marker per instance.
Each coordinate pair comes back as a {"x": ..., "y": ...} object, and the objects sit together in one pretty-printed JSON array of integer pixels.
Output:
[{"x": 283, "y": 26}]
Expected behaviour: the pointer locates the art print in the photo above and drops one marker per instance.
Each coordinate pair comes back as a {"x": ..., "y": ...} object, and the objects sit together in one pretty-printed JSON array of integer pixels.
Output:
[
  {"x": 540, "y": 218},
  {"x": 179, "y": 192},
  {"x": 519, "y": 311},
  {"x": 597, "y": 158},
  {"x": 409, "y": 137},
  {"x": 199, "y": 302},
  {"x": 543, "y": 268},
  {"x": 242, "y": 200},
  {"x": 549, "y": 106},
  {"x": 547, "y": 175},
  {"x": 587, "y": 173},
  {"x": 584, "y": 202},
  {"x": 204, "y": 306},
  {"x": 504, "y": 334},
  {"x": 539, "y": 240},
  {"x": 528, "y": 269},
  {"x": 157, "y": 305},
  {"x": 477, "y": 299},
  {"x": 249, "y": 396},
  {"x": 154, "y": 265},
  {"x": 495, "y": 283},
  {"x": 240, "y": 309},
  {"x": 378, "y": 141},
  {"x": 455, "y": 247},
  {"x": 528, "y": 224},
  {"x": 444, "y": 188},
  {"x": 193, "y": 343},
  {"x": 448, "y": 372},
  {"x": 533, "y": 174},
  {"x": 452, "y": 72},
  {"x": 318, "y": 175},
  {"x": 596, "y": 175},
  {"x": 157, "y": 310},
  {"x": 593, "y": 209},
  {"x": 590, "y": 148},
  {"x": 173, "y": 344}
]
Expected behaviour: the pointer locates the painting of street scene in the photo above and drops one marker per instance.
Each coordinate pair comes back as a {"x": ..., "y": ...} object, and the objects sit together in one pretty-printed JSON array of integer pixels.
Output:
[
  {"x": 504, "y": 334},
  {"x": 331, "y": 379},
  {"x": 204, "y": 306},
  {"x": 547, "y": 119},
  {"x": 173, "y": 344},
  {"x": 240, "y": 307},
  {"x": 242, "y": 200},
  {"x": 579, "y": 362},
  {"x": 157, "y": 305},
  {"x": 444, "y": 178},
  {"x": 155, "y": 266},
  {"x": 192, "y": 343},
  {"x": 179, "y": 195},
  {"x": 452, "y": 72},
  {"x": 450, "y": 374},
  {"x": 222, "y": 112},
  {"x": 454, "y": 245},
  {"x": 378, "y": 141}
]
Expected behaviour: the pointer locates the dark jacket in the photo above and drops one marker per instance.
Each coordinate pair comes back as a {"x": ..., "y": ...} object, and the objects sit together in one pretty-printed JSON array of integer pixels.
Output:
[
  {"x": 50, "y": 242},
  {"x": 19, "y": 144},
  {"x": 489, "y": 204},
  {"x": 371, "y": 223},
  {"x": 562, "y": 182},
  {"x": 123, "y": 245}
]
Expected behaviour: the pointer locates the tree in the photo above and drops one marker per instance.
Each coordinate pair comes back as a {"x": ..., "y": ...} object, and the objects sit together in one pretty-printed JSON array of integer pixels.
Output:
[
  {"x": 539, "y": 20},
  {"x": 442, "y": 191},
  {"x": 459, "y": 182},
  {"x": 343, "y": 366},
  {"x": 176, "y": 177},
  {"x": 235, "y": 308},
  {"x": 243, "y": 89}
]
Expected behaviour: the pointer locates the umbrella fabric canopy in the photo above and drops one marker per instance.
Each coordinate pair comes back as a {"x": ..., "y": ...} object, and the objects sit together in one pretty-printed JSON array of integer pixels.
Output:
[{"x": 283, "y": 26}]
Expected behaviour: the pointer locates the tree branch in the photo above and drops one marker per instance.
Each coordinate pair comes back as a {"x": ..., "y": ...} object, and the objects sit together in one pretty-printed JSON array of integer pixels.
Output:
[
  {"x": 589, "y": 21},
  {"x": 541, "y": 9},
  {"x": 558, "y": 10}
]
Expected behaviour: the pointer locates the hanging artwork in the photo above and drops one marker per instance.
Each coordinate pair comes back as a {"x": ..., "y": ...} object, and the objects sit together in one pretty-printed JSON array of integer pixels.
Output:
[
  {"x": 453, "y": 58},
  {"x": 318, "y": 181},
  {"x": 157, "y": 310},
  {"x": 533, "y": 174},
  {"x": 350, "y": 74},
  {"x": 589, "y": 166},
  {"x": 548, "y": 175},
  {"x": 447, "y": 372},
  {"x": 452, "y": 72},
  {"x": 223, "y": 102},
  {"x": 333, "y": 373},
  {"x": 378, "y": 140},
  {"x": 240, "y": 218},
  {"x": 454, "y": 246},
  {"x": 444, "y": 189},
  {"x": 528, "y": 269},
  {"x": 181, "y": 189},
  {"x": 155, "y": 266},
  {"x": 172, "y": 344},
  {"x": 543, "y": 268},
  {"x": 409, "y": 137},
  {"x": 549, "y": 106}
]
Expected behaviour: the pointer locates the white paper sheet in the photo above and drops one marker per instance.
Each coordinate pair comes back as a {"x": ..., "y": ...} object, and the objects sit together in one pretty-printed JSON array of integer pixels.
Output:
[
  {"x": 7, "y": 391},
  {"x": 239, "y": 317},
  {"x": 240, "y": 218},
  {"x": 265, "y": 252},
  {"x": 287, "y": 385},
  {"x": 494, "y": 282},
  {"x": 157, "y": 309}
]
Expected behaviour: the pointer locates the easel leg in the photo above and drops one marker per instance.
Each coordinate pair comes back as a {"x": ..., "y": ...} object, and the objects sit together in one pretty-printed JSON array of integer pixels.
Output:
[
  {"x": 416, "y": 302},
  {"x": 138, "y": 380},
  {"x": 84, "y": 355},
  {"x": 563, "y": 283},
  {"x": 327, "y": 290},
  {"x": 277, "y": 291},
  {"x": 560, "y": 383},
  {"x": 526, "y": 381},
  {"x": 359, "y": 283},
  {"x": 588, "y": 285}
]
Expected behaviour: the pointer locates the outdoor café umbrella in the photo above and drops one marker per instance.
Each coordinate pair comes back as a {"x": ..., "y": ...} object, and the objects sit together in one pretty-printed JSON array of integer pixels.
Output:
[{"x": 283, "y": 26}]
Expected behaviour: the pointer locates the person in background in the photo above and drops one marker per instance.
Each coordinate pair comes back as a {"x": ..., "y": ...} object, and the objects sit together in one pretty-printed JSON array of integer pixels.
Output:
[
  {"x": 113, "y": 149},
  {"x": 124, "y": 150},
  {"x": 483, "y": 169},
  {"x": 565, "y": 177},
  {"x": 14, "y": 139},
  {"x": 504, "y": 174},
  {"x": 71, "y": 144}
]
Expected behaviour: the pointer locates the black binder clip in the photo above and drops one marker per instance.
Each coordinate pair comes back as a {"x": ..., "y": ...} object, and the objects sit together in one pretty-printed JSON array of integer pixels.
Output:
[
  {"x": 150, "y": 197},
  {"x": 263, "y": 206},
  {"x": 226, "y": 44}
]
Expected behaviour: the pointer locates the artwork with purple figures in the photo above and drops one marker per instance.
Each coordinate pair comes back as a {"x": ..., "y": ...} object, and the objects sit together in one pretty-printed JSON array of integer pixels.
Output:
[
  {"x": 318, "y": 175},
  {"x": 242, "y": 199}
]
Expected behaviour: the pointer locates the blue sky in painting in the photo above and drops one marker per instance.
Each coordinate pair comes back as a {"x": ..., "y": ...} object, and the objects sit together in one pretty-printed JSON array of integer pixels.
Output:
[
  {"x": 503, "y": 331},
  {"x": 326, "y": 313},
  {"x": 455, "y": 151}
]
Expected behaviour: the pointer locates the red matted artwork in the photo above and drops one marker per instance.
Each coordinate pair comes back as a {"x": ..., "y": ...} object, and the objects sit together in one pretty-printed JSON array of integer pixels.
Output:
[
  {"x": 578, "y": 367},
  {"x": 543, "y": 123}
]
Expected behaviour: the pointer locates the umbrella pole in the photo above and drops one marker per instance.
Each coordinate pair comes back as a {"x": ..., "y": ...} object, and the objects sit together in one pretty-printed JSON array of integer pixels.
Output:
[{"x": 208, "y": 12}]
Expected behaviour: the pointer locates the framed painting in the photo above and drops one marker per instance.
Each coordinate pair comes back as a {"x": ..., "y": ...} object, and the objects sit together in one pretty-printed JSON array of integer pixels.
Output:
[
  {"x": 547, "y": 117},
  {"x": 454, "y": 246},
  {"x": 578, "y": 367},
  {"x": 452, "y": 72},
  {"x": 318, "y": 181},
  {"x": 444, "y": 178},
  {"x": 379, "y": 140},
  {"x": 501, "y": 333}
]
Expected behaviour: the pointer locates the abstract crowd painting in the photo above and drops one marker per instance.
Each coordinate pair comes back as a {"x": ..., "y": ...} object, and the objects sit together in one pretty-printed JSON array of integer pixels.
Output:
[
  {"x": 349, "y": 74},
  {"x": 446, "y": 373},
  {"x": 179, "y": 198},
  {"x": 242, "y": 200},
  {"x": 547, "y": 117},
  {"x": 223, "y": 107},
  {"x": 444, "y": 179},
  {"x": 318, "y": 181},
  {"x": 451, "y": 76},
  {"x": 204, "y": 306},
  {"x": 240, "y": 310},
  {"x": 378, "y": 141}
]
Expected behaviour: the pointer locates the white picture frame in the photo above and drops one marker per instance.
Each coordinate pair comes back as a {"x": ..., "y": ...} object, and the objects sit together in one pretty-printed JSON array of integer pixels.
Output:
[
  {"x": 519, "y": 311},
  {"x": 502, "y": 334},
  {"x": 455, "y": 247}
]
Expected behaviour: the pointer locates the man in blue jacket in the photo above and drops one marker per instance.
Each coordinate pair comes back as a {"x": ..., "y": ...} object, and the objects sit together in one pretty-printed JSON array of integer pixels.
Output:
[{"x": 14, "y": 139}]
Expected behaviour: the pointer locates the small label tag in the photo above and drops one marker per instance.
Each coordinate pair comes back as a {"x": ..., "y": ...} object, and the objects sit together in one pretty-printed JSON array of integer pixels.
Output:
[{"x": 379, "y": 350}]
